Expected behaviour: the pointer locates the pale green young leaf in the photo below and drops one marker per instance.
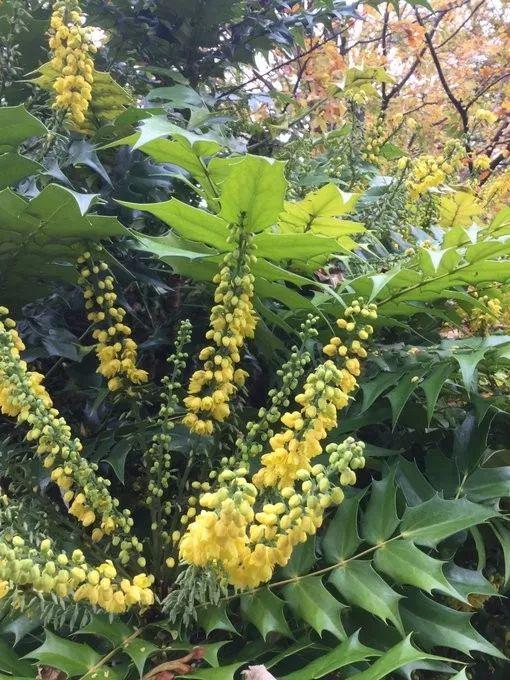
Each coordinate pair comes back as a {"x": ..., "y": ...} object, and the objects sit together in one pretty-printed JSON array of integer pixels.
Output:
[
  {"x": 458, "y": 209},
  {"x": 401, "y": 654},
  {"x": 349, "y": 652},
  {"x": 189, "y": 222},
  {"x": 253, "y": 193}
]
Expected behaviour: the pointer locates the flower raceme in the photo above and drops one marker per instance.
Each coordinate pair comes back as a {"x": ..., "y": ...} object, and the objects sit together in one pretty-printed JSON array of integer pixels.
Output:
[
  {"x": 45, "y": 572},
  {"x": 238, "y": 531},
  {"x": 232, "y": 321},
  {"x": 72, "y": 49},
  {"x": 22, "y": 396},
  {"x": 115, "y": 349}
]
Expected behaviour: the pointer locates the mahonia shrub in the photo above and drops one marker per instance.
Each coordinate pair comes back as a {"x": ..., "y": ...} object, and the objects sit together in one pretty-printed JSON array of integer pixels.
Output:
[{"x": 263, "y": 499}]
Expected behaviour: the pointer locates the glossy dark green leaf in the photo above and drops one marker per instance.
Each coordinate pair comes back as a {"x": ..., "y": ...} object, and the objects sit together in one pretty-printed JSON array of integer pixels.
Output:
[
  {"x": 488, "y": 483},
  {"x": 413, "y": 483},
  {"x": 14, "y": 168},
  {"x": 380, "y": 518},
  {"x": 433, "y": 384},
  {"x": 341, "y": 538},
  {"x": 436, "y": 519},
  {"x": 11, "y": 663},
  {"x": 302, "y": 559},
  {"x": 266, "y": 612},
  {"x": 468, "y": 581},
  {"x": 221, "y": 673},
  {"x": 215, "y": 618},
  {"x": 310, "y": 601},
  {"x": 17, "y": 125},
  {"x": 404, "y": 563},
  {"x": 360, "y": 585},
  {"x": 440, "y": 626},
  {"x": 71, "y": 657}
]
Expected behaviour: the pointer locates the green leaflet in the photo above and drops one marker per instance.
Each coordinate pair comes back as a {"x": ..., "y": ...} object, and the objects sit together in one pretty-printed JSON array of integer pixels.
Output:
[
  {"x": 429, "y": 523},
  {"x": 360, "y": 585},
  {"x": 380, "y": 518},
  {"x": 253, "y": 192},
  {"x": 38, "y": 238},
  {"x": 17, "y": 125},
  {"x": 310, "y": 601},
  {"x": 341, "y": 538},
  {"x": 71, "y": 657},
  {"x": 404, "y": 563},
  {"x": 437, "y": 625},
  {"x": 349, "y": 652},
  {"x": 265, "y": 611},
  {"x": 399, "y": 655}
]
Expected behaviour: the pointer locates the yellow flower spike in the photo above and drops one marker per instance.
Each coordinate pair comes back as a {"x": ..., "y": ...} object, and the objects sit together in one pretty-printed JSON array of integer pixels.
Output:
[
  {"x": 115, "y": 350},
  {"x": 232, "y": 320},
  {"x": 72, "y": 47}
]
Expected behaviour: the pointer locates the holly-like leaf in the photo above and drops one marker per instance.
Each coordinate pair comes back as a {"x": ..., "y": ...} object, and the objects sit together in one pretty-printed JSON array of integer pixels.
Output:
[
  {"x": 310, "y": 601},
  {"x": 380, "y": 518},
  {"x": 457, "y": 209},
  {"x": 14, "y": 168},
  {"x": 351, "y": 651},
  {"x": 404, "y": 563},
  {"x": 215, "y": 618},
  {"x": 360, "y": 585},
  {"x": 40, "y": 239},
  {"x": 401, "y": 654},
  {"x": 436, "y": 519},
  {"x": 17, "y": 125},
  {"x": 71, "y": 657},
  {"x": 440, "y": 626},
  {"x": 341, "y": 538},
  {"x": 265, "y": 611}
]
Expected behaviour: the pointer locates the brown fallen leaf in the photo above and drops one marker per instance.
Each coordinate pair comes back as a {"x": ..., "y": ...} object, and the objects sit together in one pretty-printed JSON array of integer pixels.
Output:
[
  {"x": 50, "y": 673},
  {"x": 171, "y": 669}
]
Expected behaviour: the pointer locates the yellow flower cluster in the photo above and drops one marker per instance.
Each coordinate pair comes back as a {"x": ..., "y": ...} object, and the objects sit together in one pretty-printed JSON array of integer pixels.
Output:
[
  {"x": 481, "y": 321},
  {"x": 157, "y": 459},
  {"x": 246, "y": 545},
  {"x": 430, "y": 171},
  {"x": 115, "y": 349},
  {"x": 374, "y": 142},
  {"x": 46, "y": 572},
  {"x": 232, "y": 321},
  {"x": 243, "y": 536},
  {"x": 72, "y": 48},
  {"x": 22, "y": 396},
  {"x": 482, "y": 162},
  {"x": 326, "y": 391},
  {"x": 252, "y": 441},
  {"x": 485, "y": 116},
  {"x": 495, "y": 193}
]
